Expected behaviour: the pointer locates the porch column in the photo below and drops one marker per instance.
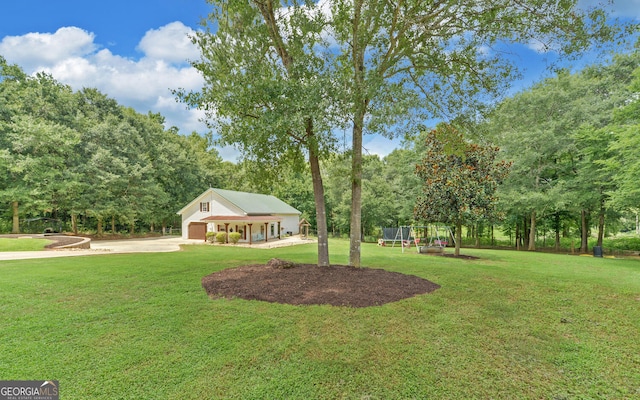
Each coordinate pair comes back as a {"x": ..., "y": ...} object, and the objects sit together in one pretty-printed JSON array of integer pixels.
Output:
[
  {"x": 249, "y": 233},
  {"x": 279, "y": 231},
  {"x": 226, "y": 230},
  {"x": 266, "y": 232}
]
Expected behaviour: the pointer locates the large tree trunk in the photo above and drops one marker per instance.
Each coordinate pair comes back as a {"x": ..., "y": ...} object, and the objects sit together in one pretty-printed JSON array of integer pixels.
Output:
[
  {"x": 525, "y": 232},
  {"x": 584, "y": 243},
  {"x": 601, "y": 223},
  {"x": 493, "y": 235},
  {"x": 318, "y": 196},
  {"x": 557, "y": 231},
  {"x": 268, "y": 12},
  {"x": 74, "y": 223},
  {"x": 356, "y": 194},
  {"x": 532, "y": 232},
  {"x": 99, "y": 227},
  {"x": 361, "y": 103},
  {"x": 458, "y": 238},
  {"x": 16, "y": 218}
]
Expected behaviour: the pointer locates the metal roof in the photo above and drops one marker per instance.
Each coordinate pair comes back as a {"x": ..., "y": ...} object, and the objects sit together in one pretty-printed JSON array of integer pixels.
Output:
[
  {"x": 250, "y": 203},
  {"x": 256, "y": 204},
  {"x": 249, "y": 218}
]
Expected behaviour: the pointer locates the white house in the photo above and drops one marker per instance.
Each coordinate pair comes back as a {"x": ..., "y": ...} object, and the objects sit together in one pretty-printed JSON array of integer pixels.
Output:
[{"x": 258, "y": 217}]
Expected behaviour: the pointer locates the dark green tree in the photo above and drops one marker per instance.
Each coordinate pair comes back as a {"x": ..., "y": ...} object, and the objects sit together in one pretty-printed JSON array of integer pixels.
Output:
[
  {"x": 267, "y": 89},
  {"x": 460, "y": 180},
  {"x": 402, "y": 56}
]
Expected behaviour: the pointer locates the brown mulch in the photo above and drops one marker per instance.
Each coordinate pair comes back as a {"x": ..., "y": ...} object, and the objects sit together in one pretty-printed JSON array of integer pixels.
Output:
[{"x": 338, "y": 285}]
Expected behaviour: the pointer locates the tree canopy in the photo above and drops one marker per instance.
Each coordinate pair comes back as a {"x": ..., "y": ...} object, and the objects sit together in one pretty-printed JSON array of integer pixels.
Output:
[
  {"x": 460, "y": 180},
  {"x": 78, "y": 155},
  {"x": 267, "y": 89}
]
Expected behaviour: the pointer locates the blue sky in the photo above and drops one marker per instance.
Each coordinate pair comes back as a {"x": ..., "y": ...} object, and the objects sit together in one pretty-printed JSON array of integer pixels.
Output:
[{"x": 136, "y": 50}]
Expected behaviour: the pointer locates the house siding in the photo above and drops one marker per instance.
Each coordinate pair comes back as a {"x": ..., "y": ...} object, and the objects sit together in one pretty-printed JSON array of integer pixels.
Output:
[{"x": 219, "y": 206}]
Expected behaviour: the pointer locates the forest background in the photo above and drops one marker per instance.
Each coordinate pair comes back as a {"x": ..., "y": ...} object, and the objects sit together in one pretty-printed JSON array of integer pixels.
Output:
[{"x": 100, "y": 167}]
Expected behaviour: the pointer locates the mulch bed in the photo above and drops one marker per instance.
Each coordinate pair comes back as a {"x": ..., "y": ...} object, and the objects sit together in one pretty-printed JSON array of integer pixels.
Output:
[{"x": 289, "y": 283}]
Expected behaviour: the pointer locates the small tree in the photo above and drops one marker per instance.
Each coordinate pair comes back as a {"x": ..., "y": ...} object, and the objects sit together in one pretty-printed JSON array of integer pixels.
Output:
[{"x": 460, "y": 180}]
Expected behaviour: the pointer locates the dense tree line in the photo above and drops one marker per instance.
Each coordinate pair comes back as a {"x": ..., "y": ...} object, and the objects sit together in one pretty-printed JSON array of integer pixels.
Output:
[
  {"x": 573, "y": 143},
  {"x": 281, "y": 76},
  {"x": 83, "y": 158}
]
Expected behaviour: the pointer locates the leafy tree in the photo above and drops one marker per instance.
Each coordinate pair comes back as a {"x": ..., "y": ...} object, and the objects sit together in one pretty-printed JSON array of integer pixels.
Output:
[
  {"x": 295, "y": 188},
  {"x": 563, "y": 124},
  {"x": 460, "y": 180},
  {"x": 626, "y": 161},
  {"x": 398, "y": 170},
  {"x": 267, "y": 89},
  {"x": 533, "y": 129},
  {"x": 37, "y": 142},
  {"x": 393, "y": 51},
  {"x": 83, "y": 155},
  {"x": 336, "y": 169},
  {"x": 378, "y": 197},
  {"x": 378, "y": 202}
]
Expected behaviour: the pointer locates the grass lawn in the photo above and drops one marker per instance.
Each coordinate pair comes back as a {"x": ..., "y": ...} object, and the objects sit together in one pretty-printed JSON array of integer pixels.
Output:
[
  {"x": 26, "y": 244},
  {"x": 512, "y": 325}
]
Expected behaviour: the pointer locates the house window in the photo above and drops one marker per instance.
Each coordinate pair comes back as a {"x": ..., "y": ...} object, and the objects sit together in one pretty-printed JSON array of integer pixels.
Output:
[
  {"x": 273, "y": 231},
  {"x": 204, "y": 207}
]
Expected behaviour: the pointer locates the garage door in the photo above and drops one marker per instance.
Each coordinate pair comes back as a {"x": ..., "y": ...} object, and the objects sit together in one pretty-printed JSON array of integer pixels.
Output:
[{"x": 197, "y": 230}]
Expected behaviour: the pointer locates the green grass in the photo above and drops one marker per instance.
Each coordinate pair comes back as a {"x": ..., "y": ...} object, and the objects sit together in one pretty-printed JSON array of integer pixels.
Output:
[
  {"x": 512, "y": 325},
  {"x": 9, "y": 244}
]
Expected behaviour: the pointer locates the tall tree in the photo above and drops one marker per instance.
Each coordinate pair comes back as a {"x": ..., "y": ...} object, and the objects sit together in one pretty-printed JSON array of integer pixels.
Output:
[
  {"x": 539, "y": 120},
  {"x": 392, "y": 50},
  {"x": 626, "y": 160},
  {"x": 598, "y": 92},
  {"x": 267, "y": 89},
  {"x": 564, "y": 123},
  {"x": 37, "y": 140},
  {"x": 460, "y": 180}
]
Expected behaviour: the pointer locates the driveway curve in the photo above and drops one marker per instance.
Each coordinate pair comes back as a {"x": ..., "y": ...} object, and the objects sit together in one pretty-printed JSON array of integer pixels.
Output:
[{"x": 143, "y": 245}]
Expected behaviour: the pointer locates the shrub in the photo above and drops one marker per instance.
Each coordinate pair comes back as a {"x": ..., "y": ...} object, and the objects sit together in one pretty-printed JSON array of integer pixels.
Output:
[
  {"x": 221, "y": 237},
  {"x": 622, "y": 243},
  {"x": 234, "y": 237},
  {"x": 211, "y": 237}
]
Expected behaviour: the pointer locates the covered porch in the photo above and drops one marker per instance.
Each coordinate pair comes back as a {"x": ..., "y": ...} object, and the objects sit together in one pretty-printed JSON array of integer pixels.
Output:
[{"x": 252, "y": 228}]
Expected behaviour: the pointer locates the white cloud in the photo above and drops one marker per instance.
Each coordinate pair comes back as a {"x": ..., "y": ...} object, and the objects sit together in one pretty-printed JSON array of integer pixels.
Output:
[
  {"x": 380, "y": 145},
  {"x": 619, "y": 8},
  {"x": 170, "y": 43},
  {"x": 541, "y": 47},
  {"x": 72, "y": 57},
  {"x": 37, "y": 50}
]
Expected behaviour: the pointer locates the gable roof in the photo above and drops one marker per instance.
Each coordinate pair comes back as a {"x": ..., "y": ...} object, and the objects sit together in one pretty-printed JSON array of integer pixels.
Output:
[{"x": 250, "y": 203}]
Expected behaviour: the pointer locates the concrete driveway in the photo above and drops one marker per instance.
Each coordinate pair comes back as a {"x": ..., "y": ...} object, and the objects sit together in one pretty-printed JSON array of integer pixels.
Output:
[{"x": 144, "y": 245}]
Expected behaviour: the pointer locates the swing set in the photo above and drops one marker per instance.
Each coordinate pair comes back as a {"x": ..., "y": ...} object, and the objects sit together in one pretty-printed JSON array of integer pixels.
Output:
[{"x": 415, "y": 235}]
